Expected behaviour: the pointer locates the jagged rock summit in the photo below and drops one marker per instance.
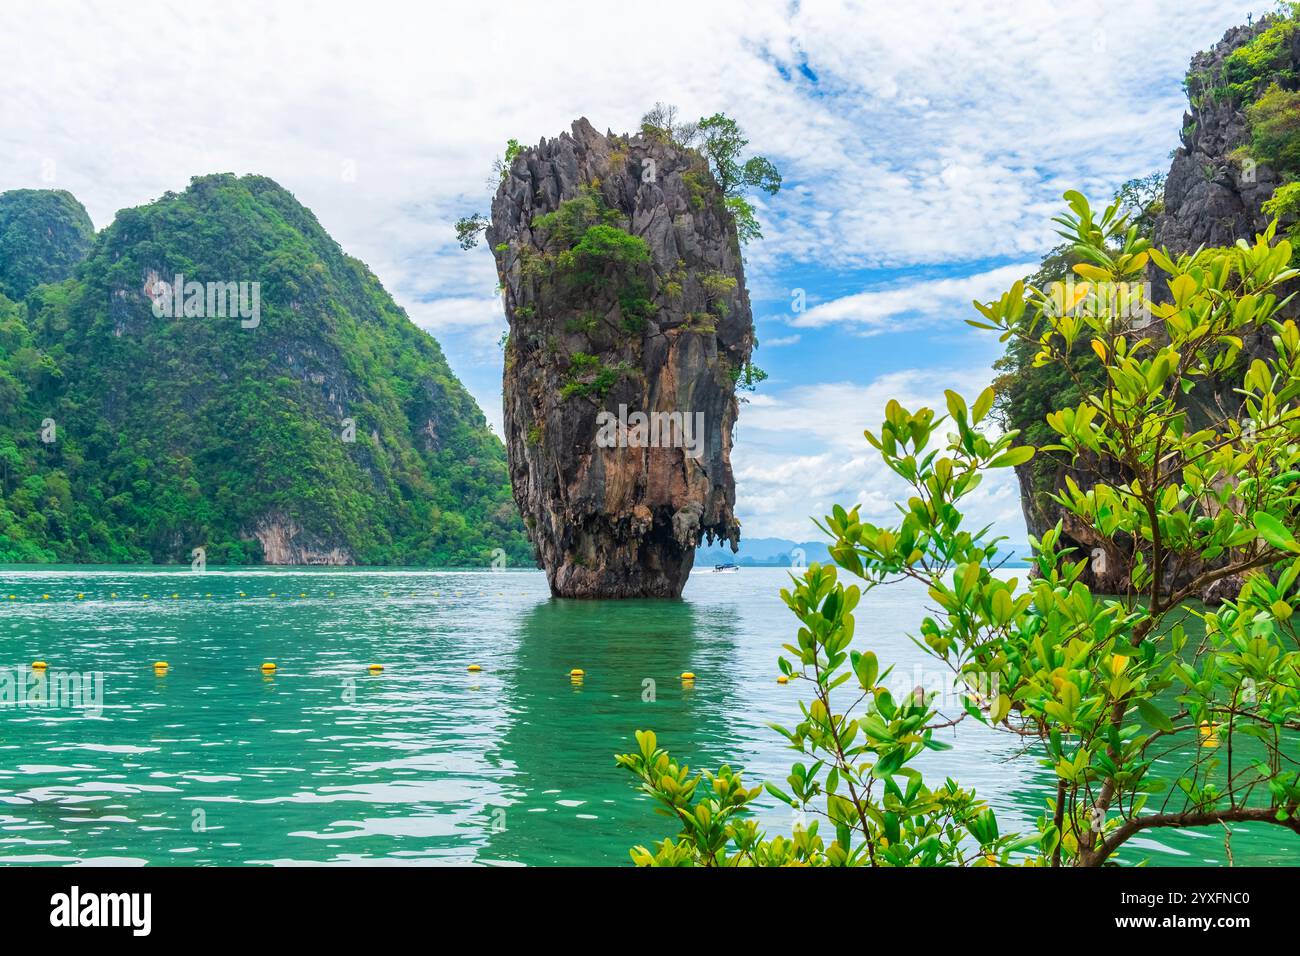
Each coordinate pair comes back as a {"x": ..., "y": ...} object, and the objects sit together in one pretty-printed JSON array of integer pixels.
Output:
[{"x": 629, "y": 328}]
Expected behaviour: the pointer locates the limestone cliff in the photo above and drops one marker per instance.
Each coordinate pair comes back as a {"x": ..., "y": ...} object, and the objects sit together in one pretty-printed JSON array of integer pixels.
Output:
[
  {"x": 1213, "y": 196},
  {"x": 624, "y": 289},
  {"x": 1214, "y": 190}
]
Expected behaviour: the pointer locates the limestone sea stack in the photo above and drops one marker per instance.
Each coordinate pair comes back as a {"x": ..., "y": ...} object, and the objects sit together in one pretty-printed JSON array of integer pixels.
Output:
[{"x": 630, "y": 324}]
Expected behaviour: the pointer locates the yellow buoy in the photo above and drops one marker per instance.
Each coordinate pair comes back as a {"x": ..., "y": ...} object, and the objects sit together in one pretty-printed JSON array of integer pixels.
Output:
[
  {"x": 113, "y": 595},
  {"x": 331, "y": 594},
  {"x": 577, "y": 672},
  {"x": 303, "y": 594},
  {"x": 474, "y": 667},
  {"x": 783, "y": 679},
  {"x": 38, "y": 665},
  {"x": 241, "y": 594},
  {"x": 144, "y": 595},
  {"x": 45, "y": 597},
  {"x": 159, "y": 667},
  {"x": 81, "y": 597},
  {"x": 175, "y": 596},
  {"x": 11, "y": 597},
  {"x": 687, "y": 675},
  {"x": 268, "y": 667},
  {"x": 375, "y": 668}
]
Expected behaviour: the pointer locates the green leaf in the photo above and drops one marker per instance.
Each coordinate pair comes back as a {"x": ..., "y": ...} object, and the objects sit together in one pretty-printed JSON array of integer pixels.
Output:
[
  {"x": 1274, "y": 532},
  {"x": 1013, "y": 457},
  {"x": 780, "y": 794},
  {"x": 1154, "y": 716}
]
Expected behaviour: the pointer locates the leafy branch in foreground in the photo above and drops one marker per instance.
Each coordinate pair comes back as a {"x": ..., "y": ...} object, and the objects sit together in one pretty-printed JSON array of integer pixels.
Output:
[{"x": 1143, "y": 722}]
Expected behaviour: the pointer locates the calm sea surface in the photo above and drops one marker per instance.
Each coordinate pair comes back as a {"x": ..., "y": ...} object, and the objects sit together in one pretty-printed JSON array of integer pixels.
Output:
[{"x": 324, "y": 762}]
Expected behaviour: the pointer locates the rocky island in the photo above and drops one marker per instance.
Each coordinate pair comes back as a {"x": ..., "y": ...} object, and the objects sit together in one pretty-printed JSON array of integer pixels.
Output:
[{"x": 630, "y": 329}]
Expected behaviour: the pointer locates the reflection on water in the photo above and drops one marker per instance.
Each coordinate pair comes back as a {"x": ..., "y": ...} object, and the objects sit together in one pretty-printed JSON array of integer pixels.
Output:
[
  {"x": 214, "y": 762},
  {"x": 632, "y": 654}
]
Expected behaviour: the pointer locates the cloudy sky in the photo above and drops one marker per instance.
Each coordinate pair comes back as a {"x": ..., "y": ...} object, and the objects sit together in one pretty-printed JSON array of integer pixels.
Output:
[{"x": 924, "y": 146}]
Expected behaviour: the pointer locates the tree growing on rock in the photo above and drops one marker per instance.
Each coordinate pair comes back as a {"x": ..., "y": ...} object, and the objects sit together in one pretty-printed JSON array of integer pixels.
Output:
[
  {"x": 619, "y": 260},
  {"x": 722, "y": 142}
]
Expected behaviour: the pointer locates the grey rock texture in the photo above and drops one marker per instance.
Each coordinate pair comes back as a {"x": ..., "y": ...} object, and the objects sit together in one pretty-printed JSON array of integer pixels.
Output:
[
  {"x": 619, "y": 521},
  {"x": 1213, "y": 196}
]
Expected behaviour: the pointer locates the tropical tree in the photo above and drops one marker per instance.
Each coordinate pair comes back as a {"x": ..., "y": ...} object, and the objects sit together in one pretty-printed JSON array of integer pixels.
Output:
[
  {"x": 1101, "y": 689},
  {"x": 719, "y": 139}
]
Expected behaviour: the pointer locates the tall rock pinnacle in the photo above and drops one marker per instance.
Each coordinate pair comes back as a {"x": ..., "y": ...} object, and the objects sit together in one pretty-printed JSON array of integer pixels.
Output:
[{"x": 629, "y": 325}]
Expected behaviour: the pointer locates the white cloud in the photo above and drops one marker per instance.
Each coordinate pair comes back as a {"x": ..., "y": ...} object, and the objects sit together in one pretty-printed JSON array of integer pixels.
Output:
[
  {"x": 781, "y": 340},
  {"x": 927, "y": 301},
  {"x": 800, "y": 452},
  {"x": 459, "y": 312},
  {"x": 935, "y": 132}
]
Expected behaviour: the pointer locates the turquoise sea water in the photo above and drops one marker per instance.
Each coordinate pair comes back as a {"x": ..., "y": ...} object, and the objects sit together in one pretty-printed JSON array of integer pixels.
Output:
[{"x": 324, "y": 762}]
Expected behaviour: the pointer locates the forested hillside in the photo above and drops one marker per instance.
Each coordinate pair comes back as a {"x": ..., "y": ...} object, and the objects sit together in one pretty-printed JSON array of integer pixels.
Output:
[{"x": 330, "y": 429}]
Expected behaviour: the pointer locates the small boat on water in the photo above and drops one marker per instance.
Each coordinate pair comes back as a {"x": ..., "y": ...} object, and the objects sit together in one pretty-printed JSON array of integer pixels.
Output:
[{"x": 725, "y": 569}]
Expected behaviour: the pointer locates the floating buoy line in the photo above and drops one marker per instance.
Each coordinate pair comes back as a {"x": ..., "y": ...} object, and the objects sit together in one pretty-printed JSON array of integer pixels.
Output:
[
  {"x": 273, "y": 595},
  {"x": 576, "y": 674}
]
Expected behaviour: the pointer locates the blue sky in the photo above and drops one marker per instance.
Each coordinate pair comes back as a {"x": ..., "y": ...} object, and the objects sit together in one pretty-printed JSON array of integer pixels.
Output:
[{"x": 924, "y": 147}]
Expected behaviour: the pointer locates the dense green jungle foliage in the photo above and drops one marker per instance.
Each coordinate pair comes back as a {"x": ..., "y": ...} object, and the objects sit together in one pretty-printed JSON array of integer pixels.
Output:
[{"x": 330, "y": 428}]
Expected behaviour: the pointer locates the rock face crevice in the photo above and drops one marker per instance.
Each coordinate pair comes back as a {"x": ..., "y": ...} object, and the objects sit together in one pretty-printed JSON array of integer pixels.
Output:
[{"x": 624, "y": 289}]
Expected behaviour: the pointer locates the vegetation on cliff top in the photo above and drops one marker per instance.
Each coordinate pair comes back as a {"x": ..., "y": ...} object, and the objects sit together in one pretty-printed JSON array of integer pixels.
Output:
[
  {"x": 589, "y": 246},
  {"x": 1266, "y": 58},
  {"x": 170, "y": 434},
  {"x": 720, "y": 140},
  {"x": 1261, "y": 76}
]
